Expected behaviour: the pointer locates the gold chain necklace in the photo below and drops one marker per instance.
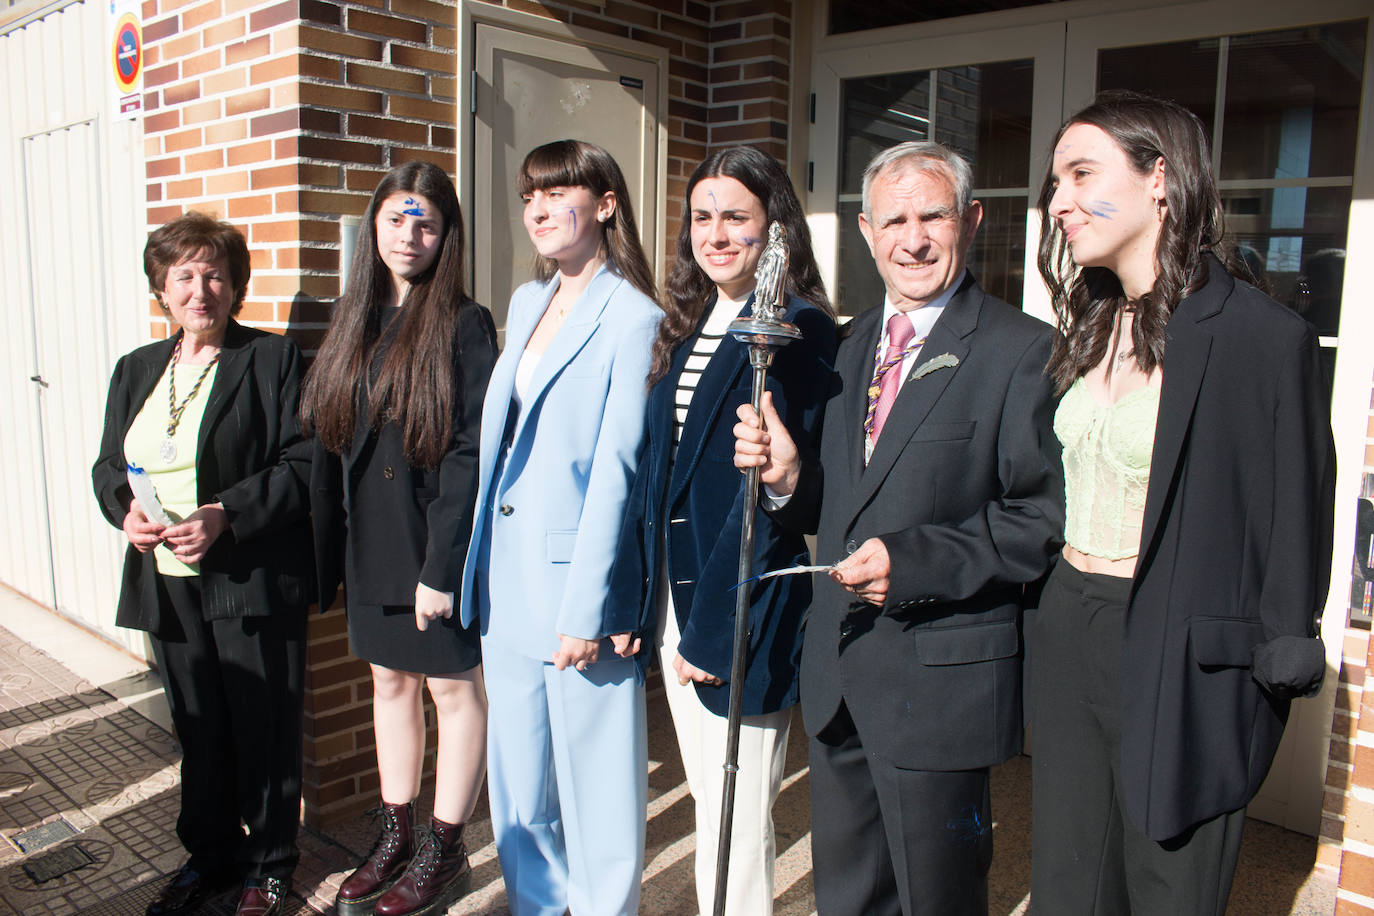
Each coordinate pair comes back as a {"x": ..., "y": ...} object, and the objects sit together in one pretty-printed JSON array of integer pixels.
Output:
[{"x": 168, "y": 450}]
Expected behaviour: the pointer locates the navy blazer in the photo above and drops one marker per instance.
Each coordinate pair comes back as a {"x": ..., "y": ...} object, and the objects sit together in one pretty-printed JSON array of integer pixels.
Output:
[
  {"x": 965, "y": 488},
  {"x": 262, "y": 564},
  {"x": 406, "y": 524},
  {"x": 700, "y": 508},
  {"x": 1235, "y": 557}
]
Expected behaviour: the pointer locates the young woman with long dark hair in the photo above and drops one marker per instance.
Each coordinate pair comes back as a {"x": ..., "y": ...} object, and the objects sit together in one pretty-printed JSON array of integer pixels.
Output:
[
  {"x": 1198, "y": 464},
  {"x": 394, "y": 399},
  {"x": 679, "y": 553}
]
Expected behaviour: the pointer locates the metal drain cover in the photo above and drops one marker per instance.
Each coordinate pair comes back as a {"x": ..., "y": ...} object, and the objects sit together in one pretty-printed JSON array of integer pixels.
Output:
[
  {"x": 35, "y": 839},
  {"x": 57, "y": 863}
]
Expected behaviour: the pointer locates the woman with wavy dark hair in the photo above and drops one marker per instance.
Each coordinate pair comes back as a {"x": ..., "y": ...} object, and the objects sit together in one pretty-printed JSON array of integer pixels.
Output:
[
  {"x": 561, "y": 430},
  {"x": 687, "y": 505},
  {"x": 394, "y": 399},
  {"x": 1198, "y": 468}
]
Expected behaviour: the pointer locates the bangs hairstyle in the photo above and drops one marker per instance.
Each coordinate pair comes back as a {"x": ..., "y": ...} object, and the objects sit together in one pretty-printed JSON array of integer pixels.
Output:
[
  {"x": 1087, "y": 301},
  {"x": 197, "y": 235},
  {"x": 415, "y": 386},
  {"x": 688, "y": 289},
  {"x": 576, "y": 163}
]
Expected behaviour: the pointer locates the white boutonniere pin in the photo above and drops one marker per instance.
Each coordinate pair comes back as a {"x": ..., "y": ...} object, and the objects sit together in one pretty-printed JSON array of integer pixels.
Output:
[{"x": 943, "y": 361}]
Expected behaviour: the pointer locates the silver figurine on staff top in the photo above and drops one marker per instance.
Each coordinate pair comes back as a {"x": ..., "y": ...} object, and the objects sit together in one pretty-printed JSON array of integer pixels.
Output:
[
  {"x": 765, "y": 327},
  {"x": 763, "y": 332}
]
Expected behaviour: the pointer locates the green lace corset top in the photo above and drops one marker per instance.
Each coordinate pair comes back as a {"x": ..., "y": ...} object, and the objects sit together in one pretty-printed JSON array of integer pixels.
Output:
[{"x": 1106, "y": 468}]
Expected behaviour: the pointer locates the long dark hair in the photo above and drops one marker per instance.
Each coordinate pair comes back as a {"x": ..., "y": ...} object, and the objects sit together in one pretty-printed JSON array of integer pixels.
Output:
[
  {"x": 414, "y": 387},
  {"x": 1087, "y": 301},
  {"x": 576, "y": 163},
  {"x": 688, "y": 289}
]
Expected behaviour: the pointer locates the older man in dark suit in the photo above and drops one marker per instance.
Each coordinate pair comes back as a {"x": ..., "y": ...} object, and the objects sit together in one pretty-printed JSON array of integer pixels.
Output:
[{"x": 939, "y": 489}]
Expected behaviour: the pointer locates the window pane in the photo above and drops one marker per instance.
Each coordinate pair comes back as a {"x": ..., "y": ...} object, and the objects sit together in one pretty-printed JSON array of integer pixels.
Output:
[
  {"x": 984, "y": 112},
  {"x": 880, "y": 111},
  {"x": 1296, "y": 236},
  {"x": 859, "y": 287},
  {"x": 1293, "y": 102},
  {"x": 1184, "y": 71},
  {"x": 998, "y": 256}
]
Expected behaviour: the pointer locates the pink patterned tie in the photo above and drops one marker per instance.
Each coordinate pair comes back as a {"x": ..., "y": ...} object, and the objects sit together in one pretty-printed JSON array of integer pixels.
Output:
[{"x": 882, "y": 392}]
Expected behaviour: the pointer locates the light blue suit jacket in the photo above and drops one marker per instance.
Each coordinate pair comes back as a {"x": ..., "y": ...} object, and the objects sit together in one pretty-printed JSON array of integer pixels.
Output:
[{"x": 548, "y": 516}]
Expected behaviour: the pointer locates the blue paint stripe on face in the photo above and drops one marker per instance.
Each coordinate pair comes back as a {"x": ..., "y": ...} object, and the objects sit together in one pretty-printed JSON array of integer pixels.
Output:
[
  {"x": 1103, "y": 208},
  {"x": 413, "y": 207}
]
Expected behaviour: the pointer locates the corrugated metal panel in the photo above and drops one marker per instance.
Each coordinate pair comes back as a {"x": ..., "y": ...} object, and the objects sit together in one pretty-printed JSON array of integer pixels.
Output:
[{"x": 71, "y": 298}]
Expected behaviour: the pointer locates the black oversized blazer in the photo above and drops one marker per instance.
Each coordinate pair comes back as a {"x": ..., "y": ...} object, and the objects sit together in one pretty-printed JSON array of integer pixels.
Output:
[
  {"x": 965, "y": 489},
  {"x": 407, "y": 524},
  {"x": 262, "y": 564},
  {"x": 700, "y": 509},
  {"x": 1235, "y": 556}
]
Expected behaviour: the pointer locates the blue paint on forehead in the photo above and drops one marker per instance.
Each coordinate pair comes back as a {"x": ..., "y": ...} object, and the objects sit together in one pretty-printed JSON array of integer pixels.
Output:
[{"x": 413, "y": 208}]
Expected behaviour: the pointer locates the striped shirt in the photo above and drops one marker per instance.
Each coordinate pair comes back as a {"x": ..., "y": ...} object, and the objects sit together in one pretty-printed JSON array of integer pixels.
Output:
[{"x": 703, "y": 348}]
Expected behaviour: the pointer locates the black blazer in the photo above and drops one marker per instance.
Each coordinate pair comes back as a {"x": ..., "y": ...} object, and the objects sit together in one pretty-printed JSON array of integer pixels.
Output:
[
  {"x": 965, "y": 489},
  {"x": 405, "y": 524},
  {"x": 261, "y": 565},
  {"x": 701, "y": 509},
  {"x": 1235, "y": 557}
]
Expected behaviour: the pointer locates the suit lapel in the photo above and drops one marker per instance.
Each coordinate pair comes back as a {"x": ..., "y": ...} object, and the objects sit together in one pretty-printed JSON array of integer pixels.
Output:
[
  {"x": 235, "y": 359},
  {"x": 854, "y": 365},
  {"x": 918, "y": 395},
  {"x": 577, "y": 329},
  {"x": 707, "y": 401},
  {"x": 1185, "y": 363}
]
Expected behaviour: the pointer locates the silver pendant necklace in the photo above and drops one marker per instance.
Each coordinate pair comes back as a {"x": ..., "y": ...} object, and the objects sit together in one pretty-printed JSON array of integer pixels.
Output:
[{"x": 168, "y": 450}]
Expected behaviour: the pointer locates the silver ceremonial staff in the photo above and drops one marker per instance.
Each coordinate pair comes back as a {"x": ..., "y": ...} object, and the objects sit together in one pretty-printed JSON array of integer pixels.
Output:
[{"x": 764, "y": 332}]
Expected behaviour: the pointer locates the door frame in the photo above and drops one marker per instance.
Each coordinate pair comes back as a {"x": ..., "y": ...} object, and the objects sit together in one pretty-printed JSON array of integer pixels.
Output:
[{"x": 470, "y": 15}]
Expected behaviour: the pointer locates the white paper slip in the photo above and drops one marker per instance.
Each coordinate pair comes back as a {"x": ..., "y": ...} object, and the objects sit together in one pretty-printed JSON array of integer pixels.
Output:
[
  {"x": 789, "y": 571},
  {"x": 142, "y": 487}
]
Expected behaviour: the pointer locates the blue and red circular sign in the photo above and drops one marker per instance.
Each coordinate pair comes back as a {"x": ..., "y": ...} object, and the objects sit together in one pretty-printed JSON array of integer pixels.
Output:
[{"x": 128, "y": 52}]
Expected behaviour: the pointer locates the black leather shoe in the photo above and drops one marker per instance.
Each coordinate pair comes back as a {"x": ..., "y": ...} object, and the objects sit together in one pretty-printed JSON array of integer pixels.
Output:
[
  {"x": 186, "y": 890},
  {"x": 262, "y": 897}
]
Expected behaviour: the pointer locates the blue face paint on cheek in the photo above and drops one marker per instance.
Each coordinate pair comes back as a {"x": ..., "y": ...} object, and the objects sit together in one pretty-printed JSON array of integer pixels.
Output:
[
  {"x": 1103, "y": 208},
  {"x": 573, "y": 214},
  {"x": 413, "y": 208},
  {"x": 750, "y": 241}
]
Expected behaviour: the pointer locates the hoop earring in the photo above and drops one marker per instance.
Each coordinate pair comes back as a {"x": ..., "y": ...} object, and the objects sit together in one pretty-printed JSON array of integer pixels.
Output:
[{"x": 1159, "y": 208}]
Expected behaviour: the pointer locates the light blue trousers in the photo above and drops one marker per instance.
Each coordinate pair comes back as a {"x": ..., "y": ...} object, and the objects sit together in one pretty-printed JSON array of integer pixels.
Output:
[{"x": 567, "y": 775}]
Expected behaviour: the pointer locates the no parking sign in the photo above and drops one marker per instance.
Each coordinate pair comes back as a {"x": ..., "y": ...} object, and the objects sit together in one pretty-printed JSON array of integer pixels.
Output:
[{"x": 126, "y": 57}]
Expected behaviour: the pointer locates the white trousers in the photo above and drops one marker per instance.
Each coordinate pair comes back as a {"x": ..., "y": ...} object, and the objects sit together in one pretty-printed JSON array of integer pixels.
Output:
[
  {"x": 762, "y": 751},
  {"x": 567, "y": 775}
]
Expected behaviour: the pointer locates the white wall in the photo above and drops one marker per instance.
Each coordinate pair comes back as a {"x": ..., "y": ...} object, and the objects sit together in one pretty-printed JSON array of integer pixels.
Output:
[{"x": 72, "y": 298}]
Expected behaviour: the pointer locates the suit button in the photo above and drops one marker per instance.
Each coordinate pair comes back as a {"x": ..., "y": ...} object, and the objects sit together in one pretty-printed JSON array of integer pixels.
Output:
[
  {"x": 388, "y": 473},
  {"x": 846, "y": 628},
  {"x": 851, "y": 546},
  {"x": 507, "y": 510}
]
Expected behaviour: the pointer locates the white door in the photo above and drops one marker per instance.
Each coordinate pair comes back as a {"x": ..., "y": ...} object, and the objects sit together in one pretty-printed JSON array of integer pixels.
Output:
[
  {"x": 71, "y": 366},
  {"x": 533, "y": 89}
]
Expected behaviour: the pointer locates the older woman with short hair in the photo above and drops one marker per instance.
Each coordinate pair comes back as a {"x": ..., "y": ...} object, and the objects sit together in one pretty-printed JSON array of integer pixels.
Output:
[{"x": 218, "y": 570}]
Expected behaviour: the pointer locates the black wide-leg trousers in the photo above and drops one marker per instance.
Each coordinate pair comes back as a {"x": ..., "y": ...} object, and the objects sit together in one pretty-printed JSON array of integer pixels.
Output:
[
  {"x": 1088, "y": 858},
  {"x": 235, "y": 687}
]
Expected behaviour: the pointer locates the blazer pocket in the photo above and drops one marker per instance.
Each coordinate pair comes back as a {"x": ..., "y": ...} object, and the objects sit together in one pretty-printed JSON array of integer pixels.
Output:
[
  {"x": 966, "y": 645},
  {"x": 1227, "y": 642},
  {"x": 942, "y": 432},
  {"x": 559, "y": 545}
]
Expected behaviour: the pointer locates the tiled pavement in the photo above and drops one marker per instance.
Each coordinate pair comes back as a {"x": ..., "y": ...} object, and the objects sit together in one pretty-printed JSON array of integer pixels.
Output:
[{"x": 75, "y": 758}]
